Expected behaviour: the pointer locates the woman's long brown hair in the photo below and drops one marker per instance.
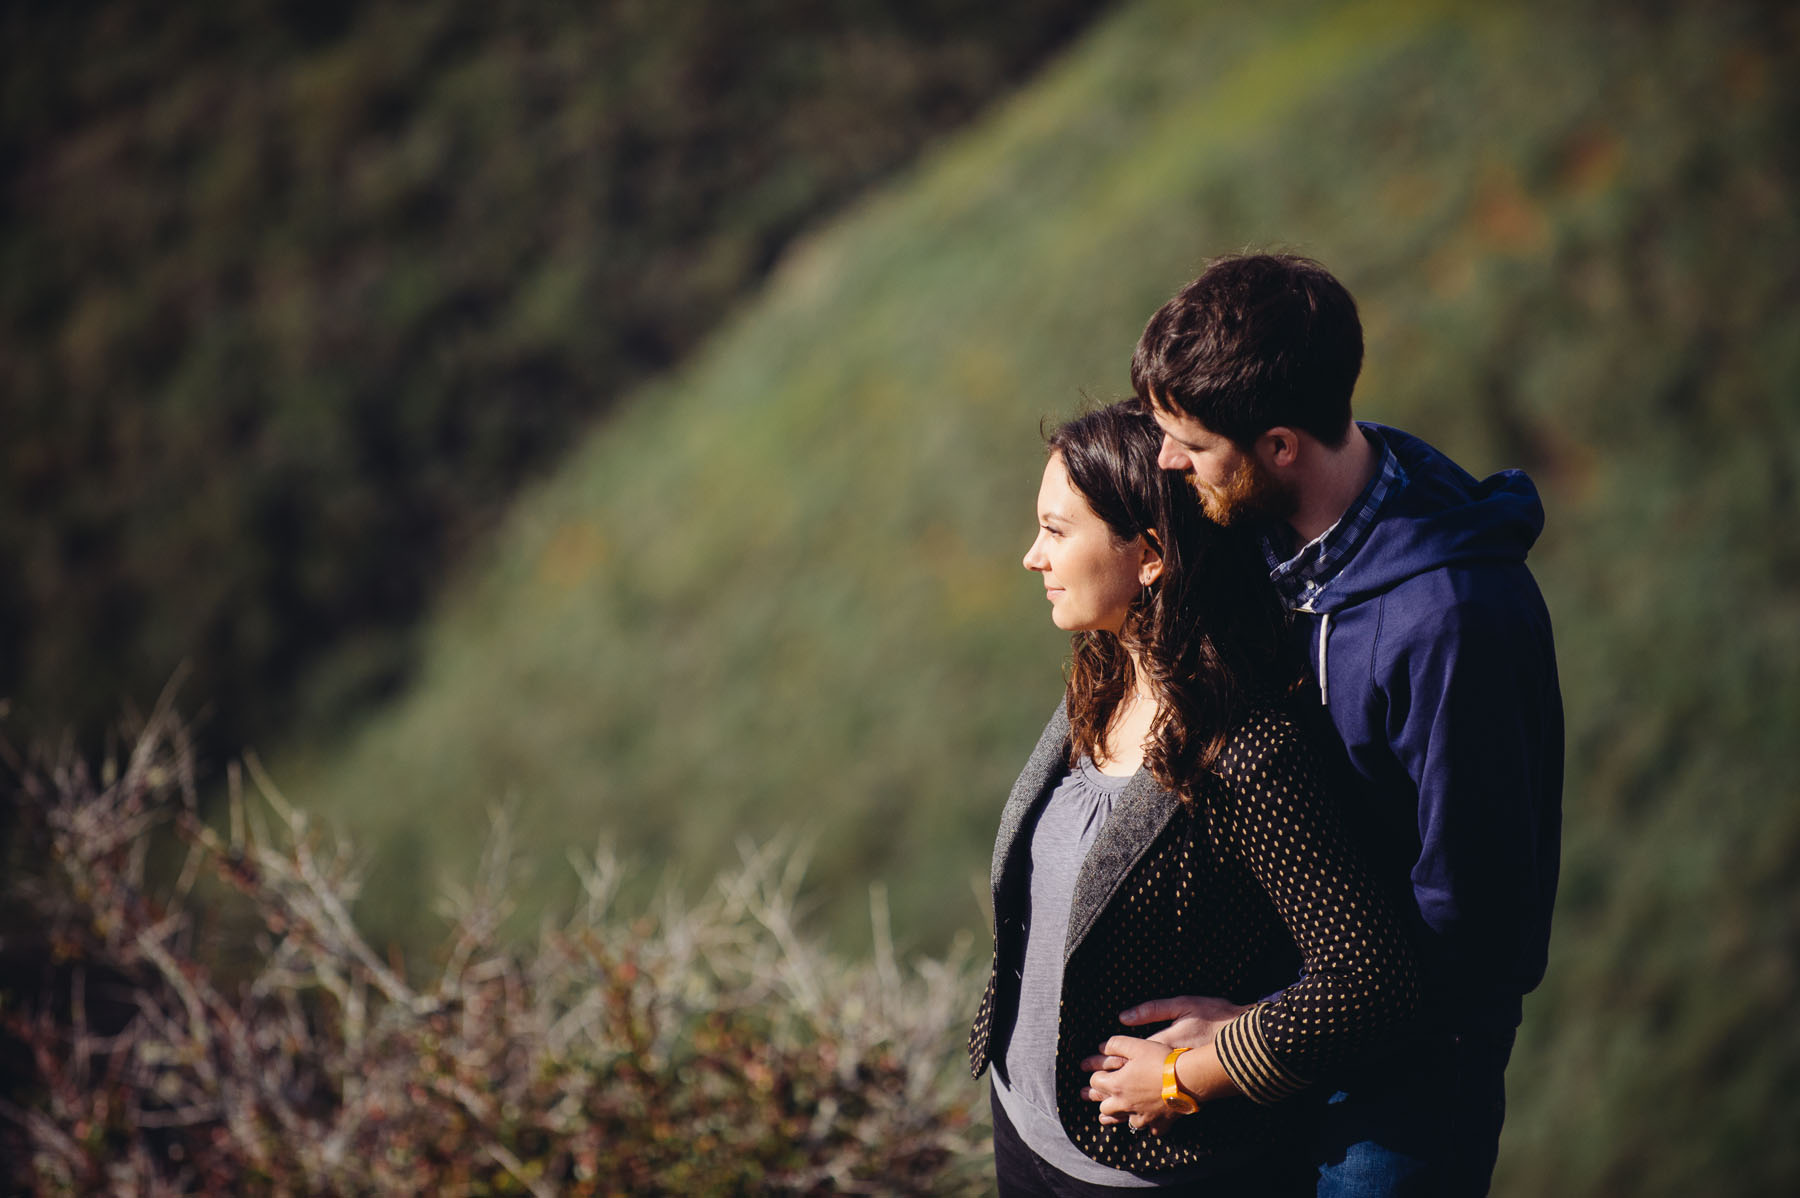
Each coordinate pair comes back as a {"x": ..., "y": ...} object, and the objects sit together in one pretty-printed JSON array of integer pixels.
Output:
[{"x": 1210, "y": 632}]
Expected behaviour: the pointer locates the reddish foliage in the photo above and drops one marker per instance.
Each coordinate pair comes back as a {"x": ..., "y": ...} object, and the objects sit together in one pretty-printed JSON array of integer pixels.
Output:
[{"x": 708, "y": 1051}]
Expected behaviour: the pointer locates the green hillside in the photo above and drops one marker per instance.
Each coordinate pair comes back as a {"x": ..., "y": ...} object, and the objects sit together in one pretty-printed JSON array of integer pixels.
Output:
[
  {"x": 780, "y": 590},
  {"x": 295, "y": 296}
]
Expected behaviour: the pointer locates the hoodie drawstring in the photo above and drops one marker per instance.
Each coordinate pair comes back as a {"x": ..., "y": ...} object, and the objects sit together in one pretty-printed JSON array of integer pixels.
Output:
[{"x": 1324, "y": 634}]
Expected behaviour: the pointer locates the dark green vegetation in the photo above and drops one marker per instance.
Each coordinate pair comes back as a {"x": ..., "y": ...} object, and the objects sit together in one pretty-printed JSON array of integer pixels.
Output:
[
  {"x": 779, "y": 589},
  {"x": 292, "y": 296}
]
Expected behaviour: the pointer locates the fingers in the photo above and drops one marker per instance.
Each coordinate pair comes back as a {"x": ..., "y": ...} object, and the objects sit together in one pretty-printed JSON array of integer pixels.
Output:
[
  {"x": 1114, "y": 1109},
  {"x": 1102, "y": 1064},
  {"x": 1124, "y": 1047},
  {"x": 1162, "y": 1010},
  {"x": 1157, "y": 1010},
  {"x": 1099, "y": 1087}
]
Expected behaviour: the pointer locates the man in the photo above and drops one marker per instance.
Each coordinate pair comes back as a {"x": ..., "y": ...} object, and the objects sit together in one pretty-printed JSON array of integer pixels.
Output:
[{"x": 1432, "y": 652}]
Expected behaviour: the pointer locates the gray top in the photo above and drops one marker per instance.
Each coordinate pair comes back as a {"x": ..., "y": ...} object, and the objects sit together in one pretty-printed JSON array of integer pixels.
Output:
[{"x": 1025, "y": 1081}]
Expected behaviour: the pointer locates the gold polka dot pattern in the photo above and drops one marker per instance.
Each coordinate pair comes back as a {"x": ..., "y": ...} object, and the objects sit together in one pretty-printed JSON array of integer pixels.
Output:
[{"x": 1252, "y": 885}]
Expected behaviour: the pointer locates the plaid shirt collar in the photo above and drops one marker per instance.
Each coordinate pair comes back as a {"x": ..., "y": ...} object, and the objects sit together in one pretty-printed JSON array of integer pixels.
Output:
[{"x": 1301, "y": 576}]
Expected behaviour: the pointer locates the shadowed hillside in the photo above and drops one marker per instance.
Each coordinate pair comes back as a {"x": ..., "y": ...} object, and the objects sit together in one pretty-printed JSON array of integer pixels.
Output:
[
  {"x": 781, "y": 589},
  {"x": 294, "y": 296}
]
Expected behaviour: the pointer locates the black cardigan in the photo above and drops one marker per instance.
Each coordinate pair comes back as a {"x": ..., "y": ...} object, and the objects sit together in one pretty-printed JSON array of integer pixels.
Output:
[{"x": 1253, "y": 885}]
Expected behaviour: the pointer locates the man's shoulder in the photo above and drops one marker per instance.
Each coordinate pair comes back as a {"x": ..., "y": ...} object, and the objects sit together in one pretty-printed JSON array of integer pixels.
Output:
[
  {"x": 1441, "y": 533},
  {"x": 1414, "y": 453},
  {"x": 1464, "y": 597},
  {"x": 1466, "y": 611},
  {"x": 1434, "y": 482},
  {"x": 1466, "y": 587}
]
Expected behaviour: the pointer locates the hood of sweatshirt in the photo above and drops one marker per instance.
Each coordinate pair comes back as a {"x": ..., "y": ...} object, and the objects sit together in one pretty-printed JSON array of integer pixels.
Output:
[{"x": 1443, "y": 515}]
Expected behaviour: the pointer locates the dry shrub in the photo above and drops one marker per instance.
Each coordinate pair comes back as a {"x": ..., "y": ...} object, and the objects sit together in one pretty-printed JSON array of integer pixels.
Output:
[{"x": 694, "y": 1049}]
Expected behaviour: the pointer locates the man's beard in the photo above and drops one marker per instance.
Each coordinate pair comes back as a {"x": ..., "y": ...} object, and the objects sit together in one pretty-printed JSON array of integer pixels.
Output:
[{"x": 1250, "y": 494}]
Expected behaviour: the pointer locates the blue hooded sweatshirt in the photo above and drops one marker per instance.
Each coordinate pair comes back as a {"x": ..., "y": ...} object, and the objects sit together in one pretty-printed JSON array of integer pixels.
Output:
[{"x": 1433, "y": 654}]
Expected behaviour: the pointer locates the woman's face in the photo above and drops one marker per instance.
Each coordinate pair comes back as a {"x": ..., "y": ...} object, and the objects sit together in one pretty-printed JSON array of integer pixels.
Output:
[{"x": 1089, "y": 577}]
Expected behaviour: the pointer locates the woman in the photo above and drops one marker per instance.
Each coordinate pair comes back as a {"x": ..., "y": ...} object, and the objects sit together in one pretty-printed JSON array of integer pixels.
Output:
[{"x": 1168, "y": 836}]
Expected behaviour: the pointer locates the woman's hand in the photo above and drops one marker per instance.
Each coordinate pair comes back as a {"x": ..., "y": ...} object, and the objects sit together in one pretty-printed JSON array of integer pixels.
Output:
[
  {"x": 1193, "y": 1022},
  {"x": 1127, "y": 1082}
]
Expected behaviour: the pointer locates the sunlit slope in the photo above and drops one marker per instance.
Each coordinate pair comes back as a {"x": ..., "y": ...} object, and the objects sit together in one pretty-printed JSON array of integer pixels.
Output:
[{"x": 782, "y": 591}]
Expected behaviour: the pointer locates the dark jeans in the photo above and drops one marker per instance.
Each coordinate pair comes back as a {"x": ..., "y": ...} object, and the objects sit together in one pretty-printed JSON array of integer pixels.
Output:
[
  {"x": 1022, "y": 1173},
  {"x": 1430, "y": 1126}
]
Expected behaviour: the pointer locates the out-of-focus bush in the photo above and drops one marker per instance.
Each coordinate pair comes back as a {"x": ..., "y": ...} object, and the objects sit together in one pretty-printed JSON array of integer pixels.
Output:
[
  {"x": 181, "y": 1044},
  {"x": 293, "y": 296}
]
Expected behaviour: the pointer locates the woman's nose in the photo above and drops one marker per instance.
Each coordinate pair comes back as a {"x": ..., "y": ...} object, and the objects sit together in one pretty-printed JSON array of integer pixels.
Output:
[{"x": 1034, "y": 557}]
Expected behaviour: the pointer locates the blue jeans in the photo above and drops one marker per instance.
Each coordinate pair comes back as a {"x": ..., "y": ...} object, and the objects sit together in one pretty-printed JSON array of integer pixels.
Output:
[{"x": 1428, "y": 1124}]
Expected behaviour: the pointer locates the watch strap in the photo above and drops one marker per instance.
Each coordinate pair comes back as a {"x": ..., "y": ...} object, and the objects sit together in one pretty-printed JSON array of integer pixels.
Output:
[{"x": 1177, "y": 1099}]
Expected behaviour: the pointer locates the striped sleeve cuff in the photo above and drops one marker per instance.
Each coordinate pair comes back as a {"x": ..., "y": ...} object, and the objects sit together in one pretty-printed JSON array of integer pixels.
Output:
[{"x": 1244, "y": 1052}]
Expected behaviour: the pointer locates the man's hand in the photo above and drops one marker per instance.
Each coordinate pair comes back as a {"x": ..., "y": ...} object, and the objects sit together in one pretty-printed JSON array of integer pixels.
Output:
[{"x": 1196, "y": 1018}]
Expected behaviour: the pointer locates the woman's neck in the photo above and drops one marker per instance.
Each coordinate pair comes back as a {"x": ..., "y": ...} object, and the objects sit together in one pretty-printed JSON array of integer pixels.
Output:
[{"x": 1121, "y": 748}]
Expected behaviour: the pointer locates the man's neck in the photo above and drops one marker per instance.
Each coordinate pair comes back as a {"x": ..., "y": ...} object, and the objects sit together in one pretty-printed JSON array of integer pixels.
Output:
[{"x": 1335, "y": 478}]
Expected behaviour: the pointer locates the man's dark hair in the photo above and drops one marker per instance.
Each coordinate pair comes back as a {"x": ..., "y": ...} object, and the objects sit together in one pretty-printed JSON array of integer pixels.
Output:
[{"x": 1258, "y": 340}]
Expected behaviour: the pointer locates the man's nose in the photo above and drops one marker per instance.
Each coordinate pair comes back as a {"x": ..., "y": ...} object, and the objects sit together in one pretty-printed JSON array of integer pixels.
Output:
[{"x": 1170, "y": 456}]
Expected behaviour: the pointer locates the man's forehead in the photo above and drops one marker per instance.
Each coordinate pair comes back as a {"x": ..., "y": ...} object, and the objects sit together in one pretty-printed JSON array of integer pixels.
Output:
[{"x": 1177, "y": 424}]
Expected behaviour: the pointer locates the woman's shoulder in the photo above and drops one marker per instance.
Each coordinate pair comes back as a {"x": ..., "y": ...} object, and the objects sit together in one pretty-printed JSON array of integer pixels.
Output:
[{"x": 1271, "y": 735}]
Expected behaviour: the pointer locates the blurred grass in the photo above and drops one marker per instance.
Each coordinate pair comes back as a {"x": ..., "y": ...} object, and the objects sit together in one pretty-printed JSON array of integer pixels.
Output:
[
  {"x": 780, "y": 588},
  {"x": 294, "y": 297}
]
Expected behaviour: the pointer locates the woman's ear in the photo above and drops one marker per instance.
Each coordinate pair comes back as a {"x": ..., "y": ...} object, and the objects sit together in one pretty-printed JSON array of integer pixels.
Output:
[{"x": 1150, "y": 567}]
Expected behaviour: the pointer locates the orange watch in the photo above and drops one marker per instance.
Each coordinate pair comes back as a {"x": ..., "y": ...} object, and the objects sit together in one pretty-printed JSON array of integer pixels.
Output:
[{"x": 1178, "y": 1100}]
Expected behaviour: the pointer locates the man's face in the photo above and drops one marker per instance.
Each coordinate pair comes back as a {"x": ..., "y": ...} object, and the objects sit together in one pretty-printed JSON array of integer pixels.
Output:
[{"x": 1232, "y": 484}]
